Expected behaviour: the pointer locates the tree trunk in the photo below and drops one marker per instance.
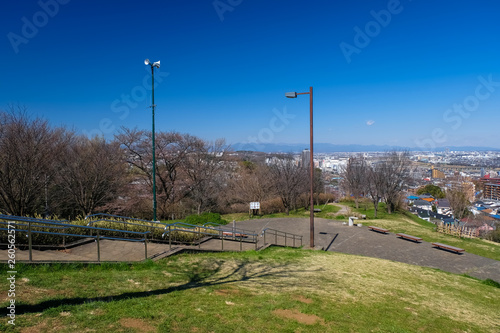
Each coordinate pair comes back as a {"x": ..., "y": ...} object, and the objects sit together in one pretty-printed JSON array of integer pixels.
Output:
[{"x": 375, "y": 206}]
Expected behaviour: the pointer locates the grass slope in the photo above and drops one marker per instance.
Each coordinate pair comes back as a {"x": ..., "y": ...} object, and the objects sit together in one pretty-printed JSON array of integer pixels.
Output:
[{"x": 276, "y": 290}]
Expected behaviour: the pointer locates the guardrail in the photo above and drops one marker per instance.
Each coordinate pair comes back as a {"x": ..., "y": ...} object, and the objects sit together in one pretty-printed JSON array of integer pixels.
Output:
[
  {"x": 33, "y": 223},
  {"x": 283, "y": 234},
  {"x": 221, "y": 233}
]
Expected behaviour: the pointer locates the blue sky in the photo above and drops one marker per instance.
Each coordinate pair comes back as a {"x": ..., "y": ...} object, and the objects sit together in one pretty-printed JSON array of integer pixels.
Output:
[{"x": 411, "y": 73}]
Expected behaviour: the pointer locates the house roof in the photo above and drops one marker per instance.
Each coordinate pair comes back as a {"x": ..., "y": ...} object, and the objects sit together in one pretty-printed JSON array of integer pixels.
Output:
[
  {"x": 443, "y": 203},
  {"x": 480, "y": 208},
  {"x": 412, "y": 197},
  {"x": 428, "y": 199},
  {"x": 496, "y": 217},
  {"x": 487, "y": 211},
  {"x": 421, "y": 203}
]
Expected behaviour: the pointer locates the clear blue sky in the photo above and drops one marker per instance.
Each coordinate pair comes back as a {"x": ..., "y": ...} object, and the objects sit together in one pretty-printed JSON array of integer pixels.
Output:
[{"x": 225, "y": 66}]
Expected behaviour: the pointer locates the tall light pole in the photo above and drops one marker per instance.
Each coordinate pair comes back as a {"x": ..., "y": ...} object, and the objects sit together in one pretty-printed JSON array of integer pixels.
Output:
[
  {"x": 153, "y": 65},
  {"x": 311, "y": 160}
]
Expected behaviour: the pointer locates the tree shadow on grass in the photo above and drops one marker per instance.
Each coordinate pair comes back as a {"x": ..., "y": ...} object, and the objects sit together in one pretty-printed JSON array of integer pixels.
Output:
[{"x": 198, "y": 277}]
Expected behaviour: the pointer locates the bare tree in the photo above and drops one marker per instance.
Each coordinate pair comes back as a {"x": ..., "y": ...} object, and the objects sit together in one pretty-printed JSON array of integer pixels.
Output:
[
  {"x": 288, "y": 180},
  {"x": 355, "y": 177},
  {"x": 376, "y": 184},
  {"x": 172, "y": 184},
  {"x": 91, "y": 173},
  {"x": 203, "y": 165},
  {"x": 250, "y": 183},
  {"x": 396, "y": 172},
  {"x": 29, "y": 151},
  {"x": 458, "y": 201}
]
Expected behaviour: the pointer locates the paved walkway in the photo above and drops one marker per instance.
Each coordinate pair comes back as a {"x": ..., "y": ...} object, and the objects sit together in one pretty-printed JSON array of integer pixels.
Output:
[
  {"x": 334, "y": 236},
  {"x": 329, "y": 235}
]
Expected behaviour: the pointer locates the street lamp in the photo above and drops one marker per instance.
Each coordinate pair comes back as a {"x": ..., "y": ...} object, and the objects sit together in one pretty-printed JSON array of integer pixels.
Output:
[
  {"x": 311, "y": 161},
  {"x": 153, "y": 65}
]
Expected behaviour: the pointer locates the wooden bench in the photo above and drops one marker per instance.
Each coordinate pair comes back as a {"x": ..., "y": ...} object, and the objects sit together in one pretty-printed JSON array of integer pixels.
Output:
[
  {"x": 384, "y": 231},
  {"x": 448, "y": 247},
  {"x": 409, "y": 237}
]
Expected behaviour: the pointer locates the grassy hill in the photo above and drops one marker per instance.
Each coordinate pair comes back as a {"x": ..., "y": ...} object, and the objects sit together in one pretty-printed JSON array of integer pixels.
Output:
[{"x": 275, "y": 290}]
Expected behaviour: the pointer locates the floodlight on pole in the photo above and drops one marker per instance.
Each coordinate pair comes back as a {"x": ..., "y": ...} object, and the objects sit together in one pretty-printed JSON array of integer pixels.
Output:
[
  {"x": 153, "y": 65},
  {"x": 311, "y": 161}
]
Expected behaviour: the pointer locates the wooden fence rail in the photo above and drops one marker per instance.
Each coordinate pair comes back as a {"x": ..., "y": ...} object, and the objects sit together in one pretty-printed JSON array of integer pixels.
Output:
[{"x": 461, "y": 232}]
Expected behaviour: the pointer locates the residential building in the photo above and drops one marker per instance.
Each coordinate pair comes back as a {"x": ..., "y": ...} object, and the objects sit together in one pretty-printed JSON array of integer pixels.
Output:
[{"x": 492, "y": 191}]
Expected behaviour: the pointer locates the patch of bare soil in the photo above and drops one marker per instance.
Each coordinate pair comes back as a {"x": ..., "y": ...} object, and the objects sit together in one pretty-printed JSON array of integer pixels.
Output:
[
  {"x": 298, "y": 316},
  {"x": 137, "y": 324},
  {"x": 225, "y": 292},
  {"x": 303, "y": 299},
  {"x": 44, "y": 326}
]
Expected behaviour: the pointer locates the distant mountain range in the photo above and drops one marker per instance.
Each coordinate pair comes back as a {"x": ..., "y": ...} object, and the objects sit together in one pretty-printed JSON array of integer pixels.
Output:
[{"x": 331, "y": 148}]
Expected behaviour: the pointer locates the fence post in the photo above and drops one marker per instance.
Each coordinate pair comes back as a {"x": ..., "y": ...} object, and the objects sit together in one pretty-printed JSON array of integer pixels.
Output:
[
  {"x": 241, "y": 236},
  {"x": 169, "y": 238},
  {"x": 199, "y": 237},
  {"x": 264, "y": 237},
  {"x": 276, "y": 237},
  {"x": 98, "y": 248},
  {"x": 293, "y": 240},
  {"x": 30, "y": 242},
  {"x": 222, "y": 240},
  {"x": 146, "y": 245},
  {"x": 285, "y": 239}
]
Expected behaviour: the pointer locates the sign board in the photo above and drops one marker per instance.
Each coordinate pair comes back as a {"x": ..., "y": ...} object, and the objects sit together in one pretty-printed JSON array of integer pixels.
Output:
[{"x": 254, "y": 205}]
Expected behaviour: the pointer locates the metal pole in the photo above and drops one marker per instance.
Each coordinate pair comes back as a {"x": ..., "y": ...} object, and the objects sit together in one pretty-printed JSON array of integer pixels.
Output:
[
  {"x": 29, "y": 241},
  {"x": 153, "y": 139},
  {"x": 311, "y": 161},
  {"x": 222, "y": 240},
  {"x": 98, "y": 248},
  {"x": 169, "y": 238},
  {"x": 146, "y": 246}
]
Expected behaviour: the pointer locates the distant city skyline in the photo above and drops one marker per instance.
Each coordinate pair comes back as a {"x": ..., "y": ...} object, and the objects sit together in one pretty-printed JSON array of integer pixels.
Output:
[{"x": 415, "y": 74}]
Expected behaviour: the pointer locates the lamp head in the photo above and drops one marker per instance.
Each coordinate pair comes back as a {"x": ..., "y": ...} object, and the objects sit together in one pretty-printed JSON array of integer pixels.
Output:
[
  {"x": 291, "y": 95},
  {"x": 156, "y": 64},
  {"x": 146, "y": 62}
]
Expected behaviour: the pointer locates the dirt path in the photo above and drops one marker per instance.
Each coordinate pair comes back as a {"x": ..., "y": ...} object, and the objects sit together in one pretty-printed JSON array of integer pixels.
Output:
[{"x": 344, "y": 210}]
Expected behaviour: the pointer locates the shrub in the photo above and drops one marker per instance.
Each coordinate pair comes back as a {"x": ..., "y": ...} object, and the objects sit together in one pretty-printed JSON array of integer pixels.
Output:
[{"x": 204, "y": 218}]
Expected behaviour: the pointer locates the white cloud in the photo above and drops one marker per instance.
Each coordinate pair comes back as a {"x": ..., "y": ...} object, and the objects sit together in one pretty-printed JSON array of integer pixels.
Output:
[{"x": 370, "y": 122}]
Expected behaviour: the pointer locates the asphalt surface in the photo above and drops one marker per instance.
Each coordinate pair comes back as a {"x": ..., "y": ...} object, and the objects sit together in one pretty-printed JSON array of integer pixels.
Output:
[
  {"x": 337, "y": 237},
  {"x": 329, "y": 235}
]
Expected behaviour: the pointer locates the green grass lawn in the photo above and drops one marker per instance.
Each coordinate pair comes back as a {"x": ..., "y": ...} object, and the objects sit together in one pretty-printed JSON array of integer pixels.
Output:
[
  {"x": 275, "y": 290},
  {"x": 327, "y": 212}
]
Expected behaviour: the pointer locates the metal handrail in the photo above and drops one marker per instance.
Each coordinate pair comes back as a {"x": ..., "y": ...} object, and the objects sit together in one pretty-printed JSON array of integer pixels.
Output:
[
  {"x": 53, "y": 224},
  {"x": 278, "y": 233},
  {"x": 229, "y": 228},
  {"x": 216, "y": 232}
]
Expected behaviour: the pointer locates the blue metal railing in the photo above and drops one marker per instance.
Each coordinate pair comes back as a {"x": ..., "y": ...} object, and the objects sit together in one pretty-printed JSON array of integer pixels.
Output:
[{"x": 33, "y": 223}]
